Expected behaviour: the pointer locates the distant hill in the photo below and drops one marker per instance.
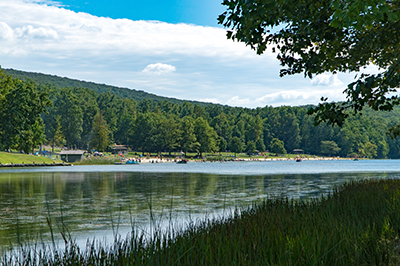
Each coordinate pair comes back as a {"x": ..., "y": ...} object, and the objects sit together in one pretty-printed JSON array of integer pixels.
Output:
[{"x": 99, "y": 88}]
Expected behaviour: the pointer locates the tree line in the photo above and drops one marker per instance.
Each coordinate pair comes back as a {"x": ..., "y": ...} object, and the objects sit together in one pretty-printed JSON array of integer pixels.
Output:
[{"x": 32, "y": 114}]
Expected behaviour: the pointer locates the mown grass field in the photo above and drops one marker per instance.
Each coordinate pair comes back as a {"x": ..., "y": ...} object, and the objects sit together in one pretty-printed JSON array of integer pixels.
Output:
[
  {"x": 357, "y": 224},
  {"x": 19, "y": 158}
]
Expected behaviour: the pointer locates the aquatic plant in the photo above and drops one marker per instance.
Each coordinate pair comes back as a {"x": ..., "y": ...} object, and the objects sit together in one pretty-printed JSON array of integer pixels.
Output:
[{"x": 98, "y": 160}]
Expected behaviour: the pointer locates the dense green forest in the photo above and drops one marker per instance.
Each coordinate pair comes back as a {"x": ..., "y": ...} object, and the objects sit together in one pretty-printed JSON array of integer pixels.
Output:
[
  {"x": 60, "y": 82},
  {"x": 33, "y": 113}
]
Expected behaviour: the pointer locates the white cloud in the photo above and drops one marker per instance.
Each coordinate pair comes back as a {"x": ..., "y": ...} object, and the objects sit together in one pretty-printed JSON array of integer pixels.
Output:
[
  {"x": 45, "y": 2},
  {"x": 285, "y": 96},
  {"x": 326, "y": 79},
  {"x": 300, "y": 97},
  {"x": 6, "y": 32},
  {"x": 209, "y": 100},
  {"x": 39, "y": 33},
  {"x": 236, "y": 101},
  {"x": 51, "y": 39},
  {"x": 122, "y": 35},
  {"x": 158, "y": 69},
  {"x": 90, "y": 28}
]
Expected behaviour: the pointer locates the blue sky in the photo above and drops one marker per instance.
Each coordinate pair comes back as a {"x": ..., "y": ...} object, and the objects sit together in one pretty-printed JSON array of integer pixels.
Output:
[
  {"x": 199, "y": 12},
  {"x": 169, "y": 48}
]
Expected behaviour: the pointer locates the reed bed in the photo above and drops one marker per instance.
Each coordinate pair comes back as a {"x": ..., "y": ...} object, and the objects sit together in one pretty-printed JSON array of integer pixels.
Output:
[
  {"x": 357, "y": 224},
  {"x": 97, "y": 160}
]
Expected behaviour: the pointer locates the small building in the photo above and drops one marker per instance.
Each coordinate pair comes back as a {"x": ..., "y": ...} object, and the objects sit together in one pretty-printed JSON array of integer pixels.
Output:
[
  {"x": 71, "y": 156},
  {"x": 298, "y": 151},
  {"x": 119, "y": 149}
]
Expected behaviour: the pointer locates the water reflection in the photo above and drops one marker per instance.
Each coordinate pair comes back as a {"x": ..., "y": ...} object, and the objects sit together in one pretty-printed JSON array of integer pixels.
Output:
[{"x": 94, "y": 203}]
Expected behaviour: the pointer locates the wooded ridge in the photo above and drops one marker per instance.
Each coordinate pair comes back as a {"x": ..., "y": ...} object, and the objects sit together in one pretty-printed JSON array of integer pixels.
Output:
[{"x": 78, "y": 115}]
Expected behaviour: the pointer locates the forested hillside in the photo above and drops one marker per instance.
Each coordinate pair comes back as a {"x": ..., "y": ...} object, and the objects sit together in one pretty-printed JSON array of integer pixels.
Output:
[
  {"x": 83, "y": 118},
  {"x": 61, "y": 82}
]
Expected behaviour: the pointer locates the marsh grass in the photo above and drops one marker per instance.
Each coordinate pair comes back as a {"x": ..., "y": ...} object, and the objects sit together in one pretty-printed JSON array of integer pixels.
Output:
[
  {"x": 96, "y": 160},
  {"x": 357, "y": 224}
]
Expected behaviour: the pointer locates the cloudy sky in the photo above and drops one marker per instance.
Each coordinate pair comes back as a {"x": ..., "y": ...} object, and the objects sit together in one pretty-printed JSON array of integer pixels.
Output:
[{"x": 172, "y": 48}]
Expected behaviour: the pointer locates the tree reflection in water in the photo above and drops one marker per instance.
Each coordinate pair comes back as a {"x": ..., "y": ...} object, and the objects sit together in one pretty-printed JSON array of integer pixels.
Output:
[{"x": 90, "y": 204}]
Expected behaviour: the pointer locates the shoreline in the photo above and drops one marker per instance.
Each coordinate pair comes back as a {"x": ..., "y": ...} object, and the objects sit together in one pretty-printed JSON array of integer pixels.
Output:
[{"x": 161, "y": 160}]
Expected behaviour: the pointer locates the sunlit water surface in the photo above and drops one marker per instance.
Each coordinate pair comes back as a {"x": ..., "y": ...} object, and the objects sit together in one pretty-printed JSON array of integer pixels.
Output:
[{"x": 101, "y": 201}]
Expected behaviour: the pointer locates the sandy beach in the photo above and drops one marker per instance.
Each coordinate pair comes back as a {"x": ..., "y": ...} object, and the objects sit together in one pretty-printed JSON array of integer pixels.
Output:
[{"x": 175, "y": 160}]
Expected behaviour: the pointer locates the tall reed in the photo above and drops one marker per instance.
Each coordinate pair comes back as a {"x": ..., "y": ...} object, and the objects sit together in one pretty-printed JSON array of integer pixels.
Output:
[{"x": 95, "y": 160}]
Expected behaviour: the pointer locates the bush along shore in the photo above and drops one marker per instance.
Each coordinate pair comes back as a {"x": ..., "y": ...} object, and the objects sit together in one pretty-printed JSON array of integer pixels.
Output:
[{"x": 357, "y": 224}]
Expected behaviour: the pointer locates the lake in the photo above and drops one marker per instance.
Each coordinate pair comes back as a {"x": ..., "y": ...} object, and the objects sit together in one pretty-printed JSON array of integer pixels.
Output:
[{"x": 101, "y": 201}]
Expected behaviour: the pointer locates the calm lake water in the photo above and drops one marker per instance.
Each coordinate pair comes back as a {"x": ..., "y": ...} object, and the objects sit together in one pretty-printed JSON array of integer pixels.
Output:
[{"x": 100, "y": 201}]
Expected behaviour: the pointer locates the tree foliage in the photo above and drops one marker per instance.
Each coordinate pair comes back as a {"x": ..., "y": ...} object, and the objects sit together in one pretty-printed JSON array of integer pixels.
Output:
[
  {"x": 236, "y": 145},
  {"x": 222, "y": 144},
  {"x": 166, "y": 135},
  {"x": 206, "y": 136},
  {"x": 140, "y": 133},
  {"x": 251, "y": 147},
  {"x": 260, "y": 146},
  {"x": 313, "y": 37},
  {"x": 22, "y": 104},
  {"x": 277, "y": 146},
  {"x": 149, "y": 126},
  {"x": 56, "y": 138},
  {"x": 189, "y": 141},
  {"x": 101, "y": 133},
  {"x": 70, "y": 111},
  {"x": 329, "y": 147},
  {"x": 368, "y": 150}
]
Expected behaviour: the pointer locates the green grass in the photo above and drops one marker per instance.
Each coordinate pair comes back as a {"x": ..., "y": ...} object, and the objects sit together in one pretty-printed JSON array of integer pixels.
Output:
[
  {"x": 19, "y": 158},
  {"x": 96, "y": 160},
  {"x": 358, "y": 224}
]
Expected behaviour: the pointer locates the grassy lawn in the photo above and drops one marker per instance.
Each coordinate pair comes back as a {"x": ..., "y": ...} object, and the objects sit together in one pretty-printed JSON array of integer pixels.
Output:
[{"x": 18, "y": 158}]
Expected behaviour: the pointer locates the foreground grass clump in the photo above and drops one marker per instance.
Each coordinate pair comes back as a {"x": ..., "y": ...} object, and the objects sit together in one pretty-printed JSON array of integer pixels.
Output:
[{"x": 358, "y": 224}]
